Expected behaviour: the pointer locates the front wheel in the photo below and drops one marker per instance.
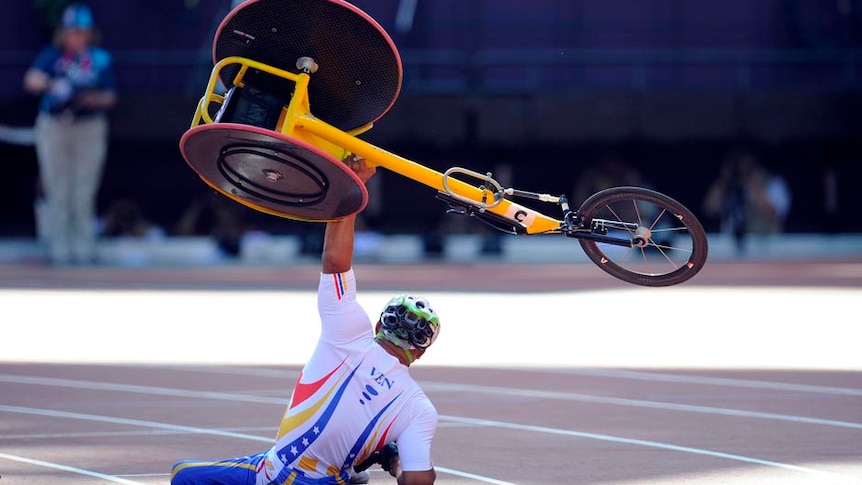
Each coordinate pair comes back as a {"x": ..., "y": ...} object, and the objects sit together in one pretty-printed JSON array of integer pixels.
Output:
[{"x": 668, "y": 243}]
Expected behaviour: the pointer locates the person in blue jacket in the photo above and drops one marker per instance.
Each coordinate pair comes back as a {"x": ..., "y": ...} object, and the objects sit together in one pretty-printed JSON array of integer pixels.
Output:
[{"x": 74, "y": 79}]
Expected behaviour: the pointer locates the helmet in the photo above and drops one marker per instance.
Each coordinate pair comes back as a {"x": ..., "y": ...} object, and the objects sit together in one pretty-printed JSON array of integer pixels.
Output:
[{"x": 409, "y": 322}]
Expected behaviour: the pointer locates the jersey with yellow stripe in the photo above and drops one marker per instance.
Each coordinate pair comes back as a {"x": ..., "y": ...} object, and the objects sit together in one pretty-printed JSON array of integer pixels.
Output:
[{"x": 351, "y": 398}]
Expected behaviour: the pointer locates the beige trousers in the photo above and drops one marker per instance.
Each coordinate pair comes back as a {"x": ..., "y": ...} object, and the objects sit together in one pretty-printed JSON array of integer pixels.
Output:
[{"x": 71, "y": 157}]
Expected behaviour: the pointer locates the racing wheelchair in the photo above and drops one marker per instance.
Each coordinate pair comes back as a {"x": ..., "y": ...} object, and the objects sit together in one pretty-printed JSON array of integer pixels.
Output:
[{"x": 295, "y": 84}]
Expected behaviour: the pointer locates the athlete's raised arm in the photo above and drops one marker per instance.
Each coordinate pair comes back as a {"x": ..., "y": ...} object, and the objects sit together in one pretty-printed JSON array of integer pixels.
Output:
[{"x": 338, "y": 238}]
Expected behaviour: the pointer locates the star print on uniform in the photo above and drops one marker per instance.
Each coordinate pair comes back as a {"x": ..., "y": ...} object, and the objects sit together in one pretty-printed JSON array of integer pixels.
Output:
[{"x": 331, "y": 399}]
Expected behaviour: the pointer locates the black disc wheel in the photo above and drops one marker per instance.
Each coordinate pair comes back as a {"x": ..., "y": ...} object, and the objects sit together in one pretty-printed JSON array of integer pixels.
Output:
[{"x": 657, "y": 241}]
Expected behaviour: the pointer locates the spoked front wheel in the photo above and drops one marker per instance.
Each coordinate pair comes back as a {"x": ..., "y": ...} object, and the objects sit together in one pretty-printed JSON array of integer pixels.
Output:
[{"x": 668, "y": 245}]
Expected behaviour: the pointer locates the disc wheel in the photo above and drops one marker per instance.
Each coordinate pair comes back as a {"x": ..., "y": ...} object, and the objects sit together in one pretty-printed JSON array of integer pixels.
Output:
[{"x": 668, "y": 243}]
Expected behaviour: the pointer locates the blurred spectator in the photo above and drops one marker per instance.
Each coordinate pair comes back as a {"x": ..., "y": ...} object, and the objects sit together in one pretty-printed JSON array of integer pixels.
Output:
[
  {"x": 830, "y": 200},
  {"x": 40, "y": 209},
  {"x": 747, "y": 198},
  {"x": 125, "y": 218},
  {"x": 612, "y": 171},
  {"x": 75, "y": 81},
  {"x": 216, "y": 216}
]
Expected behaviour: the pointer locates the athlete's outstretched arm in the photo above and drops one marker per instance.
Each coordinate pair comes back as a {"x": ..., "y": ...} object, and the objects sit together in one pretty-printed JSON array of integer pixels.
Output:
[
  {"x": 338, "y": 245},
  {"x": 338, "y": 238}
]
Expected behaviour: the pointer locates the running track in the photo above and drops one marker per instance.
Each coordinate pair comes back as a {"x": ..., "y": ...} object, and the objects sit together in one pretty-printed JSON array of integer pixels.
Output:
[{"x": 549, "y": 374}]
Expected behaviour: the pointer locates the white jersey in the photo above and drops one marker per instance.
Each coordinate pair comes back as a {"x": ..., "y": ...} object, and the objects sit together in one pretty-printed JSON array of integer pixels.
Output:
[{"x": 351, "y": 399}]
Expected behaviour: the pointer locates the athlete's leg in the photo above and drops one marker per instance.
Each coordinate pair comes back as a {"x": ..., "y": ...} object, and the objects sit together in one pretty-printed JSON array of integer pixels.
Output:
[{"x": 234, "y": 471}]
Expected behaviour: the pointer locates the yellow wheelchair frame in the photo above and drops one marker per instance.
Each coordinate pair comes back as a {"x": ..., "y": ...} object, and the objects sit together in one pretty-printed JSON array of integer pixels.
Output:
[
  {"x": 297, "y": 121},
  {"x": 634, "y": 220}
]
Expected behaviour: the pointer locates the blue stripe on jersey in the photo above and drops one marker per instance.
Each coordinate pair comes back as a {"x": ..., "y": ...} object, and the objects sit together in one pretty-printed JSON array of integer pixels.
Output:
[
  {"x": 296, "y": 447},
  {"x": 364, "y": 436}
]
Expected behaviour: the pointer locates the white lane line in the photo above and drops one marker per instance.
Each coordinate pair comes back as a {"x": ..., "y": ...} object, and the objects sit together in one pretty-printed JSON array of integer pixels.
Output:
[
  {"x": 463, "y": 420},
  {"x": 160, "y": 391},
  {"x": 100, "y": 434},
  {"x": 615, "y": 373},
  {"x": 707, "y": 380},
  {"x": 793, "y": 389},
  {"x": 114, "y": 434},
  {"x": 209, "y": 369},
  {"x": 472, "y": 476},
  {"x": 440, "y": 386},
  {"x": 618, "y": 401},
  {"x": 130, "y": 422},
  {"x": 187, "y": 429},
  {"x": 651, "y": 444},
  {"x": 65, "y": 468}
]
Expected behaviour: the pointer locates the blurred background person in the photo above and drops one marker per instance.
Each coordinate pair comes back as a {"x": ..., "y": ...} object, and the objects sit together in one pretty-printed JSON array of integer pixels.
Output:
[
  {"x": 125, "y": 218},
  {"x": 747, "y": 198},
  {"x": 75, "y": 81},
  {"x": 610, "y": 171},
  {"x": 215, "y": 216}
]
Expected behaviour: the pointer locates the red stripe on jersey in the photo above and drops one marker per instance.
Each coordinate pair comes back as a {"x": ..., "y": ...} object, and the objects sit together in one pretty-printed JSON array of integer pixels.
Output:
[{"x": 305, "y": 390}]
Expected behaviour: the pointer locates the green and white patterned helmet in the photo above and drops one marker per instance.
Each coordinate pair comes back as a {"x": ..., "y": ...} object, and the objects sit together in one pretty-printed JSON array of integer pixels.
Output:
[{"x": 409, "y": 322}]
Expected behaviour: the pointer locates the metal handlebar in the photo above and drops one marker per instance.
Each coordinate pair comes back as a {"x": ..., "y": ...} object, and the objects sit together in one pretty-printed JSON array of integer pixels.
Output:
[
  {"x": 498, "y": 193},
  {"x": 489, "y": 182},
  {"x": 570, "y": 224}
]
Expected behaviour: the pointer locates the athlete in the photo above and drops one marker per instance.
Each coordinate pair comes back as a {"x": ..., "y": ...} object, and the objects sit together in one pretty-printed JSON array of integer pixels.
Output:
[{"x": 354, "y": 400}]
